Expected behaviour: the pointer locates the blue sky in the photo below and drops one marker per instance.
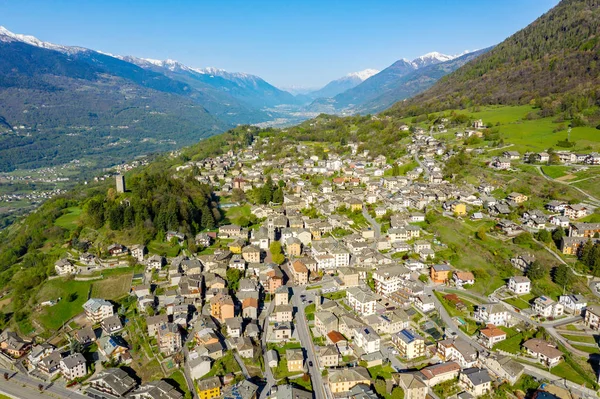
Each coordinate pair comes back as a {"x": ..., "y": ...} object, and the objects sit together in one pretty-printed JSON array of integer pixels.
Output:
[{"x": 288, "y": 43}]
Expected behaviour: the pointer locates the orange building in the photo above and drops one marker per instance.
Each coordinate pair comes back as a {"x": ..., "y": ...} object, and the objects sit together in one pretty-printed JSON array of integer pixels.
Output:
[
  {"x": 440, "y": 274},
  {"x": 221, "y": 307}
]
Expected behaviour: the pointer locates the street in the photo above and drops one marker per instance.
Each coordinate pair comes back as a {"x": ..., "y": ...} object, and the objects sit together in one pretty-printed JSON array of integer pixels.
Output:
[
  {"x": 307, "y": 344},
  {"x": 24, "y": 387}
]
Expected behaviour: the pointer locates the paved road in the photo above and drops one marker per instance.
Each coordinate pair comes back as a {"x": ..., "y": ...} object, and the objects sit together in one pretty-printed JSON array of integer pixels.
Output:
[
  {"x": 306, "y": 340},
  {"x": 418, "y": 160},
  {"x": 24, "y": 387},
  {"x": 186, "y": 371},
  {"x": 374, "y": 224},
  {"x": 271, "y": 381}
]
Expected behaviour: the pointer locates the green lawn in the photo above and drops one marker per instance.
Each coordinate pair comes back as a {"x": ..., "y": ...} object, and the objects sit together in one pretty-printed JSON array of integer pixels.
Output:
[
  {"x": 52, "y": 318},
  {"x": 178, "y": 381},
  {"x": 555, "y": 171},
  {"x": 235, "y": 213},
  {"x": 303, "y": 382},
  {"x": 587, "y": 349},
  {"x": 112, "y": 288},
  {"x": 565, "y": 371},
  {"x": 69, "y": 219},
  {"x": 580, "y": 338},
  {"x": 334, "y": 296},
  {"x": 511, "y": 344},
  {"x": 384, "y": 371},
  {"x": 225, "y": 365},
  {"x": 518, "y": 302},
  {"x": 163, "y": 248}
]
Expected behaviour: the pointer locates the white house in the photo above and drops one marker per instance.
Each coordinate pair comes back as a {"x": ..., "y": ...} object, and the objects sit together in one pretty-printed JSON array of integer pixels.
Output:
[
  {"x": 520, "y": 285},
  {"x": 547, "y": 307},
  {"x": 492, "y": 313},
  {"x": 573, "y": 303},
  {"x": 367, "y": 339}
]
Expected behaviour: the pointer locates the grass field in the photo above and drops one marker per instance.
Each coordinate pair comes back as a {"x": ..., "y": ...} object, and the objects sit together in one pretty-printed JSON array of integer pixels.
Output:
[
  {"x": 580, "y": 338},
  {"x": 69, "y": 219},
  {"x": 52, "y": 318},
  {"x": 163, "y": 248},
  {"x": 518, "y": 302},
  {"x": 235, "y": 213},
  {"x": 565, "y": 371},
  {"x": 555, "y": 171},
  {"x": 587, "y": 349},
  {"x": 590, "y": 186},
  {"x": 177, "y": 379},
  {"x": 536, "y": 134},
  {"x": 112, "y": 288}
]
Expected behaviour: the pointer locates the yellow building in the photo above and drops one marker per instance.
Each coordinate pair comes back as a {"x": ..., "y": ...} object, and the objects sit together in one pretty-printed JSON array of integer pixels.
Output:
[
  {"x": 236, "y": 246},
  {"x": 209, "y": 388},
  {"x": 460, "y": 209},
  {"x": 355, "y": 205},
  {"x": 343, "y": 380},
  {"x": 295, "y": 360}
]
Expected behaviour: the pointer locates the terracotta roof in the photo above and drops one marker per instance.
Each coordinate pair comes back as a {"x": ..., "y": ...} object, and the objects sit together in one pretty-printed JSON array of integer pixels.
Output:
[{"x": 335, "y": 336}]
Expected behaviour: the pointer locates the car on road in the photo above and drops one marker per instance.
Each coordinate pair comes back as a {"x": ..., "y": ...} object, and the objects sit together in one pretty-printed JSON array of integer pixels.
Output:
[{"x": 310, "y": 363}]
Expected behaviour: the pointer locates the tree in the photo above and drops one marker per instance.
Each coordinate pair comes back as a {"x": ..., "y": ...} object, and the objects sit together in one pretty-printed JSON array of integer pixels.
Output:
[
  {"x": 563, "y": 276},
  {"x": 278, "y": 258},
  {"x": 238, "y": 195},
  {"x": 72, "y": 296},
  {"x": 557, "y": 235},
  {"x": 278, "y": 196},
  {"x": 6, "y": 376},
  {"x": 481, "y": 234},
  {"x": 275, "y": 248},
  {"x": 544, "y": 236},
  {"x": 536, "y": 271},
  {"x": 397, "y": 393},
  {"x": 233, "y": 278}
]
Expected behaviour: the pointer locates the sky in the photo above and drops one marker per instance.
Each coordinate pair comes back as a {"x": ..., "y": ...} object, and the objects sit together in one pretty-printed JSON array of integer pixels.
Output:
[{"x": 302, "y": 44}]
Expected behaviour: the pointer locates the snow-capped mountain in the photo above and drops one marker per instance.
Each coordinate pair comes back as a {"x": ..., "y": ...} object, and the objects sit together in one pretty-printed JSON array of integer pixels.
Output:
[
  {"x": 380, "y": 83},
  {"x": 8, "y": 36},
  {"x": 342, "y": 84},
  {"x": 249, "y": 89}
]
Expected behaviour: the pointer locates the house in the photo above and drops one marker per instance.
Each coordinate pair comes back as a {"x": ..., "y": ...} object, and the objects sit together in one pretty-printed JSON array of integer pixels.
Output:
[
  {"x": 168, "y": 338},
  {"x": 138, "y": 251},
  {"x": 424, "y": 303},
  {"x": 156, "y": 389},
  {"x": 283, "y": 331},
  {"x": 97, "y": 310},
  {"x": 476, "y": 381},
  {"x": 64, "y": 267},
  {"x": 413, "y": 385},
  {"x": 283, "y": 313},
  {"x": 361, "y": 301},
  {"x": 282, "y": 296},
  {"x": 234, "y": 327},
  {"x": 576, "y": 211},
  {"x": 367, "y": 339},
  {"x": 547, "y": 307},
  {"x": 116, "y": 249},
  {"x": 112, "y": 346},
  {"x": 410, "y": 344},
  {"x": 592, "y": 317},
  {"x": 458, "y": 208},
  {"x": 458, "y": 350},
  {"x": 272, "y": 358},
  {"x": 329, "y": 356},
  {"x": 295, "y": 360},
  {"x": 209, "y": 388},
  {"x": 492, "y": 313},
  {"x": 154, "y": 322},
  {"x": 543, "y": 351},
  {"x": 236, "y": 246},
  {"x": 244, "y": 347},
  {"x": 390, "y": 279},
  {"x": 343, "y": 380},
  {"x": 242, "y": 390},
  {"x": 180, "y": 237},
  {"x": 520, "y": 285},
  {"x": 325, "y": 322},
  {"x": 438, "y": 373},
  {"x": 229, "y": 231},
  {"x": 39, "y": 352},
  {"x": 113, "y": 381},
  {"x": 293, "y": 246},
  {"x": 250, "y": 308},
  {"x": 299, "y": 272},
  {"x": 462, "y": 278},
  {"x": 251, "y": 254},
  {"x": 73, "y": 366},
  {"x": 13, "y": 345},
  {"x": 222, "y": 307},
  {"x": 289, "y": 392},
  {"x": 440, "y": 274},
  {"x": 517, "y": 198},
  {"x": 199, "y": 365},
  {"x": 203, "y": 239},
  {"x": 505, "y": 368},
  {"x": 50, "y": 365},
  {"x": 573, "y": 303},
  {"x": 155, "y": 262},
  {"x": 522, "y": 262},
  {"x": 111, "y": 324},
  {"x": 491, "y": 335},
  {"x": 586, "y": 230}
]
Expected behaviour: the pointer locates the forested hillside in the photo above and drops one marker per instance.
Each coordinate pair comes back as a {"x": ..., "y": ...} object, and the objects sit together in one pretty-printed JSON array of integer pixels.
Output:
[{"x": 553, "y": 63}]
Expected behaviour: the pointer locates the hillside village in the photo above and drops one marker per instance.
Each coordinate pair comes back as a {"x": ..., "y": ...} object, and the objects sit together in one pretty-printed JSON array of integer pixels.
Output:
[{"x": 341, "y": 288}]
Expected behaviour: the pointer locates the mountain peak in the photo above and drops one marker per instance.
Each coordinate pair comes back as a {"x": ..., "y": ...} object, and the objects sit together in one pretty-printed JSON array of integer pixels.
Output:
[
  {"x": 364, "y": 74},
  {"x": 8, "y": 36}
]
